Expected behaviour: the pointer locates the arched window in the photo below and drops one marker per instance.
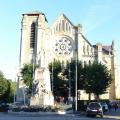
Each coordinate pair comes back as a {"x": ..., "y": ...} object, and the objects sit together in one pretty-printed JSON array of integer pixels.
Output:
[
  {"x": 84, "y": 49},
  {"x": 63, "y": 25},
  {"x": 59, "y": 27},
  {"x": 66, "y": 26},
  {"x": 69, "y": 29},
  {"x": 92, "y": 51},
  {"x": 32, "y": 36},
  {"x": 56, "y": 28},
  {"x": 88, "y": 49}
]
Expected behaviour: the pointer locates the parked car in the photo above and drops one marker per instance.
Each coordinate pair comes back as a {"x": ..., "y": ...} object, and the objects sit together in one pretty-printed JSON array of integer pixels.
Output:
[
  {"x": 94, "y": 109},
  {"x": 105, "y": 106}
]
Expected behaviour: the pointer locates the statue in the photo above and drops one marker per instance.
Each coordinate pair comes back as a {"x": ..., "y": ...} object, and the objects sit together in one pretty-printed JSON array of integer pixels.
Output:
[{"x": 42, "y": 87}]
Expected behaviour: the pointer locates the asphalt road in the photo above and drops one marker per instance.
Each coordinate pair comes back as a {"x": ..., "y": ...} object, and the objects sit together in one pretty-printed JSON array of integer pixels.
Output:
[
  {"x": 112, "y": 115},
  {"x": 48, "y": 117}
]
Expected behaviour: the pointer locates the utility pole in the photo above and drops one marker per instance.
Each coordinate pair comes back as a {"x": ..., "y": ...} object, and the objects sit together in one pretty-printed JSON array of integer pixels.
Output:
[
  {"x": 76, "y": 62},
  {"x": 69, "y": 83},
  {"x": 33, "y": 75}
]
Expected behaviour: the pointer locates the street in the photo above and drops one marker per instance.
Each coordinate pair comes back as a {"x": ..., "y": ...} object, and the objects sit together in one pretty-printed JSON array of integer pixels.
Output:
[{"x": 112, "y": 115}]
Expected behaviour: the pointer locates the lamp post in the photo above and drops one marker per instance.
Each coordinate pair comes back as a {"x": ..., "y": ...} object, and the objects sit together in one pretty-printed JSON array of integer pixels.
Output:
[
  {"x": 76, "y": 83},
  {"x": 33, "y": 75},
  {"x": 76, "y": 67},
  {"x": 69, "y": 84}
]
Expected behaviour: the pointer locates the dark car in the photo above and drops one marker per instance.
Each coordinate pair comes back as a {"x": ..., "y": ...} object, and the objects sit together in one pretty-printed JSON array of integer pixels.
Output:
[{"x": 94, "y": 109}]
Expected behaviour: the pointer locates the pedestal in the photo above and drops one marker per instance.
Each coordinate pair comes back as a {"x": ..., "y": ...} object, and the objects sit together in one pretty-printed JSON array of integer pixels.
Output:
[{"x": 43, "y": 95}]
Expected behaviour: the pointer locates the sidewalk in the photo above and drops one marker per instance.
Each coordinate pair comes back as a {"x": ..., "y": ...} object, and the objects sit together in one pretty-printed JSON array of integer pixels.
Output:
[
  {"x": 113, "y": 114},
  {"x": 46, "y": 113}
]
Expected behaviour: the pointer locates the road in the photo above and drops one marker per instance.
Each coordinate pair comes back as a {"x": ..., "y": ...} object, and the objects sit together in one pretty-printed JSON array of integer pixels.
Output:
[{"x": 108, "y": 116}]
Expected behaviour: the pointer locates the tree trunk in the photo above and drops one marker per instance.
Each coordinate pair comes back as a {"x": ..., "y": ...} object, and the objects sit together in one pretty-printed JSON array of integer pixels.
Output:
[
  {"x": 89, "y": 97},
  {"x": 97, "y": 98}
]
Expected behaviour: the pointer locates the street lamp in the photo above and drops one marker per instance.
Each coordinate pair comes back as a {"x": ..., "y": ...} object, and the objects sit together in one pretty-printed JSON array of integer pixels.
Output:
[
  {"x": 76, "y": 83},
  {"x": 69, "y": 95},
  {"x": 33, "y": 75},
  {"x": 76, "y": 62}
]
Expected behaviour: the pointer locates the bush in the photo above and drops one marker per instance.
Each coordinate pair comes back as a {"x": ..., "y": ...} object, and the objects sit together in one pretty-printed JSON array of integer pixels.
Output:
[
  {"x": 17, "y": 109},
  {"x": 4, "y": 108}
]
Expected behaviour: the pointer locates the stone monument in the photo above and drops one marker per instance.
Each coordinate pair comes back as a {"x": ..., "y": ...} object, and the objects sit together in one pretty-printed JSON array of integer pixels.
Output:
[{"x": 42, "y": 94}]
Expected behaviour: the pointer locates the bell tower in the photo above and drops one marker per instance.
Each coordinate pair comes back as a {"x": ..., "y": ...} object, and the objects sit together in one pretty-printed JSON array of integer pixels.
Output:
[{"x": 33, "y": 51}]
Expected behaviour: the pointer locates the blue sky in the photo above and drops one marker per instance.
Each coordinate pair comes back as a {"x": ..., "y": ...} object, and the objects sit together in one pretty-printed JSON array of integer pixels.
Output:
[{"x": 99, "y": 18}]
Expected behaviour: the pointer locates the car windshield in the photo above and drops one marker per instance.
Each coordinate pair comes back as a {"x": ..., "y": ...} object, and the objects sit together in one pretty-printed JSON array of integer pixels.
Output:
[{"x": 94, "y": 105}]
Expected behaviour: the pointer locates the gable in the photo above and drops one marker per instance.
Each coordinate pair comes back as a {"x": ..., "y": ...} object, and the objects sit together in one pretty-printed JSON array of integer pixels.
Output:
[{"x": 62, "y": 24}]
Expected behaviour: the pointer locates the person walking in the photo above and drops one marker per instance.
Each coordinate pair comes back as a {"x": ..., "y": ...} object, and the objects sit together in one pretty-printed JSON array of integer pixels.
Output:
[{"x": 115, "y": 106}]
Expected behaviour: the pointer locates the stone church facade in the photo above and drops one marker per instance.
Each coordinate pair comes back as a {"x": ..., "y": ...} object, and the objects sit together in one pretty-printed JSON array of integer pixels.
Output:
[{"x": 63, "y": 41}]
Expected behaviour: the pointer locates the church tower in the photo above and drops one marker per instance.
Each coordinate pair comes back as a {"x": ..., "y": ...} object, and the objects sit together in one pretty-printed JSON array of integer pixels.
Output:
[
  {"x": 33, "y": 30},
  {"x": 33, "y": 51}
]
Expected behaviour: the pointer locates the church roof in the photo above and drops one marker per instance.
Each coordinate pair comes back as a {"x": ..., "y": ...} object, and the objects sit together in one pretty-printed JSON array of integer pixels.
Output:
[
  {"x": 35, "y": 13},
  {"x": 63, "y": 16},
  {"x": 86, "y": 40},
  {"x": 106, "y": 49},
  {"x": 67, "y": 18}
]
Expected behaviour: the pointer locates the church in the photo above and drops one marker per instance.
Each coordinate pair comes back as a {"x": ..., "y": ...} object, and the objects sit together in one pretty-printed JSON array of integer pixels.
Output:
[{"x": 42, "y": 44}]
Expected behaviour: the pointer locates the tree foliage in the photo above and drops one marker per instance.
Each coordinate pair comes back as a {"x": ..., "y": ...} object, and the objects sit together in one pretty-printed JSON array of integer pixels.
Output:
[
  {"x": 27, "y": 76},
  {"x": 97, "y": 78},
  {"x": 3, "y": 84},
  {"x": 70, "y": 73},
  {"x": 94, "y": 78},
  {"x": 11, "y": 89},
  {"x": 6, "y": 89},
  {"x": 58, "y": 84}
]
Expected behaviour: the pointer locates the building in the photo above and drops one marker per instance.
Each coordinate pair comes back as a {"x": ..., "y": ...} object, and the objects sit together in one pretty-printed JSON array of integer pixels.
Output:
[{"x": 42, "y": 44}]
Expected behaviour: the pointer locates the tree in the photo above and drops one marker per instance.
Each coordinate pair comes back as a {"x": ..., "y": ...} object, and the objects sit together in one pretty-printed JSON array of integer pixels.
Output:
[
  {"x": 70, "y": 74},
  {"x": 55, "y": 70},
  {"x": 97, "y": 79},
  {"x": 27, "y": 76},
  {"x": 6, "y": 89},
  {"x": 3, "y": 85},
  {"x": 10, "y": 91}
]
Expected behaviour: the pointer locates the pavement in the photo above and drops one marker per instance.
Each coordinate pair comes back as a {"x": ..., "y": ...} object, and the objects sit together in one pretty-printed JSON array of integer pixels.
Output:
[{"x": 110, "y": 114}]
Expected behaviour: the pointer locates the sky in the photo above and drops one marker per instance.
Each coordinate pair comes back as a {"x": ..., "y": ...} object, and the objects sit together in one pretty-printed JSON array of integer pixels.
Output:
[{"x": 100, "y": 20}]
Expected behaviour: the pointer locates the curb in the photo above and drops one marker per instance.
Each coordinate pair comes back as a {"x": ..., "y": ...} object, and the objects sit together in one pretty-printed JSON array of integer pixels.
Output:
[
  {"x": 46, "y": 113},
  {"x": 32, "y": 113}
]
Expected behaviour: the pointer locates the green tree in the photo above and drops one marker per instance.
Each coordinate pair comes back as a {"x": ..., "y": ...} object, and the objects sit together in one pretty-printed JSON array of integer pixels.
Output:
[
  {"x": 27, "y": 76},
  {"x": 70, "y": 73},
  {"x": 97, "y": 79},
  {"x": 6, "y": 89},
  {"x": 11, "y": 89},
  {"x": 3, "y": 85},
  {"x": 55, "y": 70}
]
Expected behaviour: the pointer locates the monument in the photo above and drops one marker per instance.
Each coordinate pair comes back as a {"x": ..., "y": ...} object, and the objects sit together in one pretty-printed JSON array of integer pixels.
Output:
[{"x": 42, "y": 94}]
